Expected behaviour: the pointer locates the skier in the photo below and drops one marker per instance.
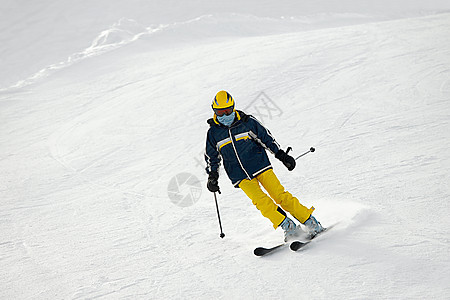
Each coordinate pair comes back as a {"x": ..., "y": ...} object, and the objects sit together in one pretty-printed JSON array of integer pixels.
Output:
[{"x": 241, "y": 141}]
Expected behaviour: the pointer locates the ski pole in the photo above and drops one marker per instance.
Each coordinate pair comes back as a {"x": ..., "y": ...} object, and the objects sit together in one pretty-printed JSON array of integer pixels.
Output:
[
  {"x": 222, "y": 235},
  {"x": 312, "y": 149}
]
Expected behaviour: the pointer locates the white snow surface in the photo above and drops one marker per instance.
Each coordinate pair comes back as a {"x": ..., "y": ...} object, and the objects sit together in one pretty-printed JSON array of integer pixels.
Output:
[{"x": 103, "y": 103}]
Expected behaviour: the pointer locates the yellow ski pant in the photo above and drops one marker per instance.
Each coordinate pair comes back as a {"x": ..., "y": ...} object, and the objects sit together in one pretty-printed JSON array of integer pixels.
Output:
[{"x": 266, "y": 205}]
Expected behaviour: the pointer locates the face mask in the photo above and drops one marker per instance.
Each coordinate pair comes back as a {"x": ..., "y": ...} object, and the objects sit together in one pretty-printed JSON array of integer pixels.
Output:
[{"x": 227, "y": 120}]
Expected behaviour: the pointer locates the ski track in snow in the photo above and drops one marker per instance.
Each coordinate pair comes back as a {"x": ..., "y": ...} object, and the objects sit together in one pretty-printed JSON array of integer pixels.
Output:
[
  {"x": 126, "y": 31},
  {"x": 87, "y": 156}
]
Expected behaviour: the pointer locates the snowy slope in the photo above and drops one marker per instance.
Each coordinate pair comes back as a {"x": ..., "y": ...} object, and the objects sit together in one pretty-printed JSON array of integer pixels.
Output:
[
  {"x": 88, "y": 151},
  {"x": 41, "y": 36}
]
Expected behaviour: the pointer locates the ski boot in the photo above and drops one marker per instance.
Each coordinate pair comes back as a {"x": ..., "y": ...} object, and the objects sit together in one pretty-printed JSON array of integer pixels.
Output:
[
  {"x": 291, "y": 231},
  {"x": 313, "y": 227}
]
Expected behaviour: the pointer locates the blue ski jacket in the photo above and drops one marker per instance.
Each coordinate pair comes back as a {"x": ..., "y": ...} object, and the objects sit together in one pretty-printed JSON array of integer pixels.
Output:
[{"x": 241, "y": 147}]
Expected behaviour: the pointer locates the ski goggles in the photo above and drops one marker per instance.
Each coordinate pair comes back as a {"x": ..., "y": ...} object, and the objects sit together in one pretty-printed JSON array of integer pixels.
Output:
[{"x": 223, "y": 111}]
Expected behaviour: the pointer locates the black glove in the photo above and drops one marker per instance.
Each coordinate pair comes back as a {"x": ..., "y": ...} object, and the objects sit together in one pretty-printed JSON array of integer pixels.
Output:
[
  {"x": 213, "y": 184},
  {"x": 286, "y": 159}
]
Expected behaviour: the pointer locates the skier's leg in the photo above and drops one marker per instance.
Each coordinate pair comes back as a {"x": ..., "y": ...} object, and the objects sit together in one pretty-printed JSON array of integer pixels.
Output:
[
  {"x": 288, "y": 202},
  {"x": 263, "y": 202}
]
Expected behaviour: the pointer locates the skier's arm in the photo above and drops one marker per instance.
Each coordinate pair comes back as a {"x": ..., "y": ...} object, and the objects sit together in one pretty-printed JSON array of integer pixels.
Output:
[
  {"x": 263, "y": 136},
  {"x": 212, "y": 156}
]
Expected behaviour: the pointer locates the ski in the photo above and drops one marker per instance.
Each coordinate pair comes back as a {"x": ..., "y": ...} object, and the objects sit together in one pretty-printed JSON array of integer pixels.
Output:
[
  {"x": 297, "y": 245},
  {"x": 261, "y": 251},
  {"x": 294, "y": 245}
]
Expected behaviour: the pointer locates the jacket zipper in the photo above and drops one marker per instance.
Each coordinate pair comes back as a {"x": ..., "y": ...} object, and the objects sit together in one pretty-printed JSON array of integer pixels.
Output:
[{"x": 237, "y": 156}]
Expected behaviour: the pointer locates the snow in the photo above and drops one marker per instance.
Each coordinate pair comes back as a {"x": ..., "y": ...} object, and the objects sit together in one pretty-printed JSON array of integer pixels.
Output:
[{"x": 102, "y": 106}]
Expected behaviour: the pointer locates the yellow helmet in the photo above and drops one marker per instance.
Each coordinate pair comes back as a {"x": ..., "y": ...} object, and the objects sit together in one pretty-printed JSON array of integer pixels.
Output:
[{"x": 222, "y": 100}]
